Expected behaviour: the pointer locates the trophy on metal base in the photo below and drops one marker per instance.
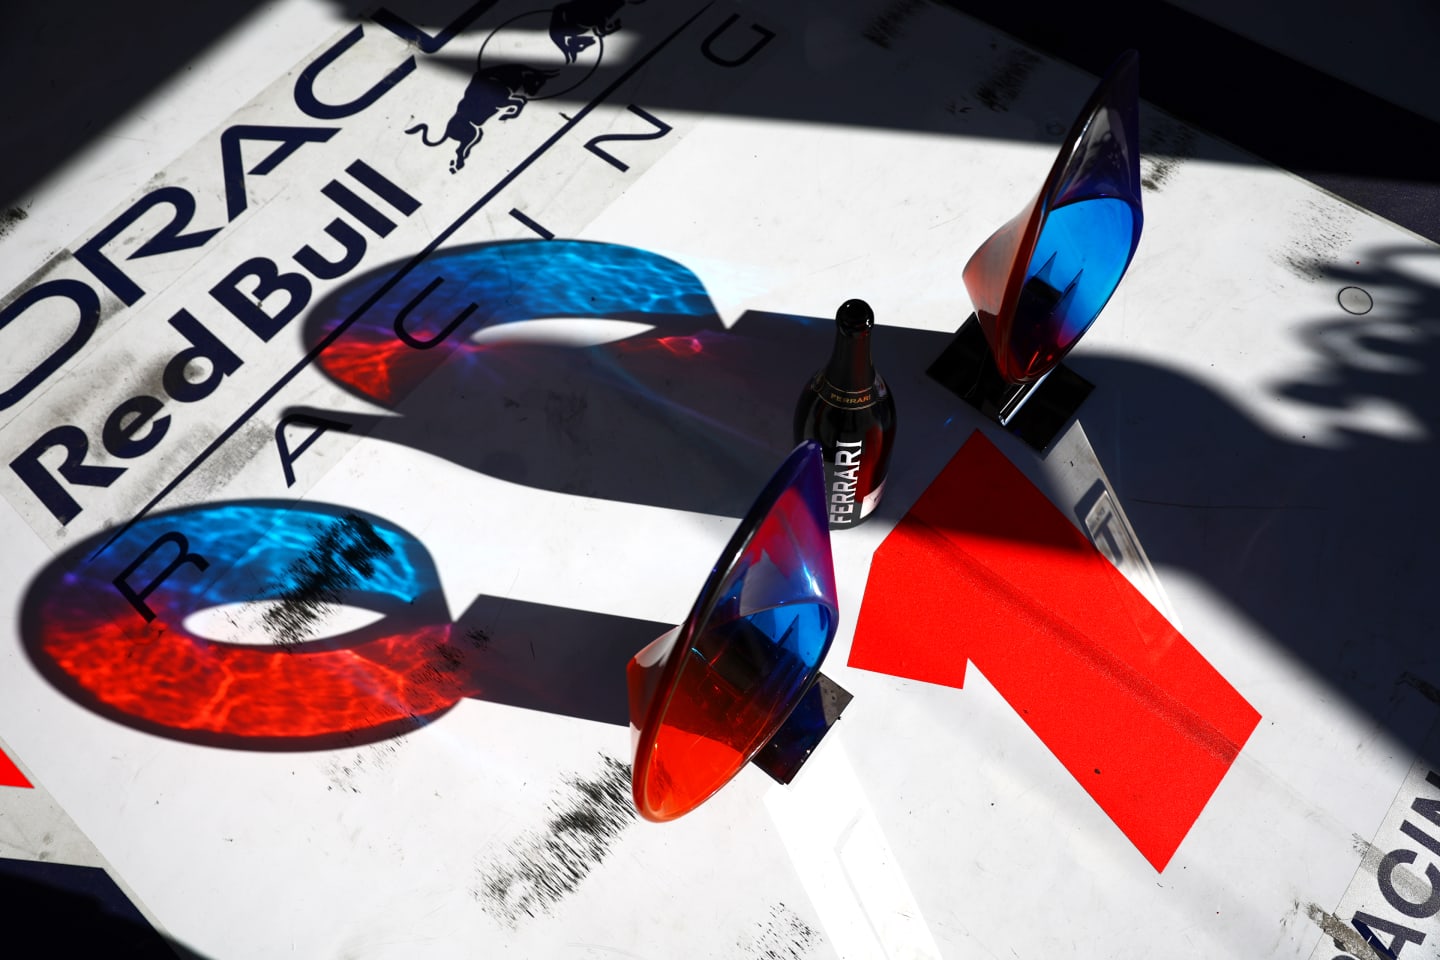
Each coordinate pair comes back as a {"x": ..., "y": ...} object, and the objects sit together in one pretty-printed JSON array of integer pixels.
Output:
[
  {"x": 739, "y": 680},
  {"x": 1039, "y": 282}
]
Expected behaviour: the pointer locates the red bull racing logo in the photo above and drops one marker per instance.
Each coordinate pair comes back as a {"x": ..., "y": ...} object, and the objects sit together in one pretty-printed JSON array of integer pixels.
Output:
[{"x": 538, "y": 55}]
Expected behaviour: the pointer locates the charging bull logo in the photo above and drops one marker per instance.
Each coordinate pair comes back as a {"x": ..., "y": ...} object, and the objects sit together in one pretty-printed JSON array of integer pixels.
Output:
[
  {"x": 538, "y": 55},
  {"x": 572, "y": 24},
  {"x": 494, "y": 93}
]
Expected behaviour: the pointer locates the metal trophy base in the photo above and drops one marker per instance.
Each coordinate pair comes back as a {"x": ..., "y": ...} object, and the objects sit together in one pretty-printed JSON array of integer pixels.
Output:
[
  {"x": 1035, "y": 412},
  {"x": 786, "y": 752}
]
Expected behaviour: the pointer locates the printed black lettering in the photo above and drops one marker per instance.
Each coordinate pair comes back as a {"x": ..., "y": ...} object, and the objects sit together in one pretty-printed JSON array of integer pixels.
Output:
[
  {"x": 1427, "y": 808},
  {"x": 317, "y": 425},
  {"x": 352, "y": 250},
  {"x": 313, "y": 106},
  {"x": 183, "y": 555},
  {"x": 382, "y": 187},
  {"x": 1386, "y": 876},
  {"x": 1420, "y": 837},
  {"x": 205, "y": 346},
  {"x": 707, "y": 47},
  {"x": 355, "y": 205},
  {"x": 412, "y": 34},
  {"x": 169, "y": 239},
  {"x": 289, "y": 139},
  {"x": 1400, "y": 935},
  {"x": 541, "y": 232},
  {"x": 661, "y": 128},
  {"x": 409, "y": 339},
  {"x": 269, "y": 280},
  {"x": 73, "y": 469},
  {"x": 87, "y": 304},
  {"x": 352, "y": 244},
  {"x": 118, "y": 434}
]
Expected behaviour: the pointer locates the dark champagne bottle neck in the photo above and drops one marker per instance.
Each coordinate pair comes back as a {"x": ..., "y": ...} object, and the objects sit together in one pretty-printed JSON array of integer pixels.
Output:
[{"x": 851, "y": 369}]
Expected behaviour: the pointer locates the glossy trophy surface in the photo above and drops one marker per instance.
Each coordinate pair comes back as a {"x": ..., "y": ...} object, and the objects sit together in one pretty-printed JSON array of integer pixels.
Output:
[
  {"x": 709, "y": 694},
  {"x": 1040, "y": 281}
]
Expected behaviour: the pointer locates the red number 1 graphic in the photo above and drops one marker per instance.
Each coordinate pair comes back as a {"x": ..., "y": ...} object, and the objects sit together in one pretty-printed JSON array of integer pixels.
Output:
[
  {"x": 984, "y": 568},
  {"x": 10, "y": 775}
]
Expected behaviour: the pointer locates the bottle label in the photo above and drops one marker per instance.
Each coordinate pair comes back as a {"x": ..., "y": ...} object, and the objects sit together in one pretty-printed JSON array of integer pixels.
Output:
[
  {"x": 844, "y": 399},
  {"x": 843, "y": 480},
  {"x": 872, "y": 500}
]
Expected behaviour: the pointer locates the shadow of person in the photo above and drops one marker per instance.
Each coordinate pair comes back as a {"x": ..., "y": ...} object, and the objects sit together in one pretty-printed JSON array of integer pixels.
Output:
[
  {"x": 77, "y": 911},
  {"x": 1327, "y": 538}
]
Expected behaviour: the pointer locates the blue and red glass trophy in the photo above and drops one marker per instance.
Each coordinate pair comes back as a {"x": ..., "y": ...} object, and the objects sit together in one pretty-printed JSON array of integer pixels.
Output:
[
  {"x": 737, "y": 681},
  {"x": 1039, "y": 282}
]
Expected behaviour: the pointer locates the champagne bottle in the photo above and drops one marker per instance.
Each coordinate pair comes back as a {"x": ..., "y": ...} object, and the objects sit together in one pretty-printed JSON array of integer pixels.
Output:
[{"x": 848, "y": 410}]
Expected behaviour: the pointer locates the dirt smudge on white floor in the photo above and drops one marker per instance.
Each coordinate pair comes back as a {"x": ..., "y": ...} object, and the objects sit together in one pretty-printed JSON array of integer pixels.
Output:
[
  {"x": 342, "y": 557},
  {"x": 1322, "y": 233},
  {"x": 1007, "y": 81},
  {"x": 781, "y": 936},
  {"x": 10, "y": 218},
  {"x": 545, "y": 866},
  {"x": 1345, "y": 936},
  {"x": 886, "y": 27},
  {"x": 1163, "y": 149}
]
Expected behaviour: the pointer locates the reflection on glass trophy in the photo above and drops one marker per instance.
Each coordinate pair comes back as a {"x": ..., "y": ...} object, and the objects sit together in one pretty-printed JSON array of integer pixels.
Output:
[
  {"x": 738, "y": 679},
  {"x": 1039, "y": 281}
]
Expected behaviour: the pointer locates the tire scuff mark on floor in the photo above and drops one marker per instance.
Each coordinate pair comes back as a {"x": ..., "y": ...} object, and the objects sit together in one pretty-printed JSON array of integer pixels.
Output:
[{"x": 545, "y": 866}]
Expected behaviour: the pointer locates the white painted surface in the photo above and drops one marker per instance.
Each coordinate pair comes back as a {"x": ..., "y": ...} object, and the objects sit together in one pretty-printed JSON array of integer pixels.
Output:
[{"x": 384, "y": 849}]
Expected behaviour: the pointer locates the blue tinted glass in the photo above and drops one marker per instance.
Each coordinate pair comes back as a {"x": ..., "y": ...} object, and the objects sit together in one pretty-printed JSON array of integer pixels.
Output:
[
  {"x": 1086, "y": 225},
  {"x": 750, "y": 649},
  {"x": 1079, "y": 258}
]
